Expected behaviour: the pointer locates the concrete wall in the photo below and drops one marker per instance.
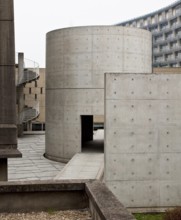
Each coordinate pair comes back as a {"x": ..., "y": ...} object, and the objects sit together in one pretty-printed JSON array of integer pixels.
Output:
[
  {"x": 142, "y": 138},
  {"x": 62, "y": 195},
  {"x": 41, "y": 97},
  {"x": 8, "y": 129},
  {"x": 76, "y": 60},
  {"x": 7, "y": 75}
]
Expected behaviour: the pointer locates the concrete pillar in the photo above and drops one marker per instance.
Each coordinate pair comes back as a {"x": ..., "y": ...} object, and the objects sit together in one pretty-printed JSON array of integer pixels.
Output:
[
  {"x": 8, "y": 130},
  {"x": 3, "y": 169}
]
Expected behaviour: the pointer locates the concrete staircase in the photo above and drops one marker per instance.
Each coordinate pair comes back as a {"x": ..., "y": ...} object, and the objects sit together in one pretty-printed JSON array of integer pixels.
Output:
[
  {"x": 28, "y": 76},
  {"x": 29, "y": 114}
]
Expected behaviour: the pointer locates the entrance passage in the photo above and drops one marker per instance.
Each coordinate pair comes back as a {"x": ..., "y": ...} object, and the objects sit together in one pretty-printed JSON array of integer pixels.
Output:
[{"x": 92, "y": 128}]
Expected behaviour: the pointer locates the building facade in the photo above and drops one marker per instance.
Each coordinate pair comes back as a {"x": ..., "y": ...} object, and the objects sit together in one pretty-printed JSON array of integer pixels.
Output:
[
  {"x": 34, "y": 95},
  {"x": 28, "y": 107},
  {"x": 165, "y": 25}
]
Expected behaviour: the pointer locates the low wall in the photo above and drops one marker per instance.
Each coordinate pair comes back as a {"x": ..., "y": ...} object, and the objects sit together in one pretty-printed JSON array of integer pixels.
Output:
[
  {"x": 103, "y": 204},
  {"x": 62, "y": 195},
  {"x": 42, "y": 196}
]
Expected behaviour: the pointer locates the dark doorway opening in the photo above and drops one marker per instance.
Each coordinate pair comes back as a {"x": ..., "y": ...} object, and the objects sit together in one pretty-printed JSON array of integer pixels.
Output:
[{"x": 92, "y": 134}]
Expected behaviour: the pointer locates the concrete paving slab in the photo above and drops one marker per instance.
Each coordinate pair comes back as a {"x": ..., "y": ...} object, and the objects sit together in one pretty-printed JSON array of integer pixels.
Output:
[{"x": 33, "y": 165}]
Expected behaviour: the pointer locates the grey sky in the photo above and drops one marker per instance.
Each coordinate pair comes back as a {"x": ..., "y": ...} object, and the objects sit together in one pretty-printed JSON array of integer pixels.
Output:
[{"x": 34, "y": 18}]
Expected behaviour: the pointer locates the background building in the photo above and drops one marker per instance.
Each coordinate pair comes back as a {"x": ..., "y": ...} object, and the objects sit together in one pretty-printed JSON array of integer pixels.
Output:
[
  {"x": 165, "y": 25},
  {"x": 34, "y": 95},
  {"x": 27, "y": 72}
]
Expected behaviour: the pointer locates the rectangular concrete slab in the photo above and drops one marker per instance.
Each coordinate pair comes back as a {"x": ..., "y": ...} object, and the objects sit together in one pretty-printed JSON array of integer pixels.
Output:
[{"x": 142, "y": 138}]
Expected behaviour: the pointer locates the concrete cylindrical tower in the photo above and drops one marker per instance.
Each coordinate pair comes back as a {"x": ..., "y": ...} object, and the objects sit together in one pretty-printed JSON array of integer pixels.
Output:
[{"x": 76, "y": 60}]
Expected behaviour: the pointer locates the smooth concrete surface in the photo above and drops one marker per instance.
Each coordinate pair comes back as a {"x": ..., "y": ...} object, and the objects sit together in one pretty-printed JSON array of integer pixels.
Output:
[
  {"x": 142, "y": 139},
  {"x": 83, "y": 166},
  {"x": 33, "y": 165},
  {"x": 7, "y": 70},
  {"x": 8, "y": 130},
  {"x": 103, "y": 204},
  {"x": 76, "y": 60}
]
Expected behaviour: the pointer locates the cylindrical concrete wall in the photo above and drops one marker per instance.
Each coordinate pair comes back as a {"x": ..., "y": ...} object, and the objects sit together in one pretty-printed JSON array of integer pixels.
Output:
[{"x": 76, "y": 60}]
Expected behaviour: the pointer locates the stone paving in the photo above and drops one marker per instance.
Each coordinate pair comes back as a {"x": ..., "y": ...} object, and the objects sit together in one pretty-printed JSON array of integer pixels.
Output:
[{"x": 33, "y": 165}]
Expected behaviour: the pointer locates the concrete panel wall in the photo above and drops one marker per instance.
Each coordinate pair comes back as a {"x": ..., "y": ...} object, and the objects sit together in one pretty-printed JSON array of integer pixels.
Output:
[
  {"x": 77, "y": 59},
  {"x": 142, "y": 138}
]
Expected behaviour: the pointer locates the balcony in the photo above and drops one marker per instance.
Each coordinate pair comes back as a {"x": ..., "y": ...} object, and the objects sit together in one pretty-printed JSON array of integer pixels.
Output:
[{"x": 177, "y": 14}]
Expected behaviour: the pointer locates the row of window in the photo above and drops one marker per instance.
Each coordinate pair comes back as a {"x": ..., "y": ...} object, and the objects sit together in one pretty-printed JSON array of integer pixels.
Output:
[
  {"x": 154, "y": 19},
  {"x": 168, "y": 56},
  {"x": 41, "y": 90},
  {"x": 167, "y": 46}
]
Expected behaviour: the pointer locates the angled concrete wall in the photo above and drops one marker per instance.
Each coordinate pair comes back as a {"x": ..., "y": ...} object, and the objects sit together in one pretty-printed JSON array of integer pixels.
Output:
[
  {"x": 143, "y": 138},
  {"x": 76, "y": 60}
]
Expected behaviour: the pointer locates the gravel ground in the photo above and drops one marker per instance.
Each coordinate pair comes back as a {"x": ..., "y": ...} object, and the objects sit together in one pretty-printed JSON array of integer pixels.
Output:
[{"x": 52, "y": 215}]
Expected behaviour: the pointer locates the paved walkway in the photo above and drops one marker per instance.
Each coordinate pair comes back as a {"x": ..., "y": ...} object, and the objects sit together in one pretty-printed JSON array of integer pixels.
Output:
[
  {"x": 83, "y": 166},
  {"x": 33, "y": 165}
]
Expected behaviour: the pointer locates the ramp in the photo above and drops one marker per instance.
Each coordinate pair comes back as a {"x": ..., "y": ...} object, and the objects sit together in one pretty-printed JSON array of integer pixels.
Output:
[{"x": 83, "y": 166}]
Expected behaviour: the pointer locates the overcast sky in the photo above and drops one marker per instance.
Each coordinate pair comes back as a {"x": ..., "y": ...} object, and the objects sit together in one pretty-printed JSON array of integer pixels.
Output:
[{"x": 34, "y": 18}]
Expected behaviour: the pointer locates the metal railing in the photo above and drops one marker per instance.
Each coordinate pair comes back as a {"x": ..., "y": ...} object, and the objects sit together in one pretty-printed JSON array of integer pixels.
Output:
[
  {"x": 29, "y": 113},
  {"x": 30, "y": 73}
]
